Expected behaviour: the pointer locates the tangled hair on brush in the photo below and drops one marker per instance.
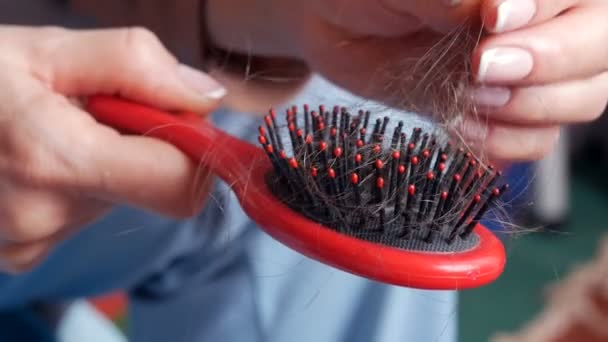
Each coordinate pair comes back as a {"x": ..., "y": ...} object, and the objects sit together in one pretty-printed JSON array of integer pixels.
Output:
[
  {"x": 434, "y": 82},
  {"x": 413, "y": 190}
]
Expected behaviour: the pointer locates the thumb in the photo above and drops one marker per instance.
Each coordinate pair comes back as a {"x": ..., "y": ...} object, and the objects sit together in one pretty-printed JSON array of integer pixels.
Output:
[{"x": 131, "y": 62}]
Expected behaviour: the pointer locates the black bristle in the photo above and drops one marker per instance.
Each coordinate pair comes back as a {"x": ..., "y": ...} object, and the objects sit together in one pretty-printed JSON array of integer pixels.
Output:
[{"x": 420, "y": 192}]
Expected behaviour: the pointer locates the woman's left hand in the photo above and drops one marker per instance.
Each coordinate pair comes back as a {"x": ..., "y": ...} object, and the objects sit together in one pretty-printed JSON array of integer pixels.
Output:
[{"x": 545, "y": 64}]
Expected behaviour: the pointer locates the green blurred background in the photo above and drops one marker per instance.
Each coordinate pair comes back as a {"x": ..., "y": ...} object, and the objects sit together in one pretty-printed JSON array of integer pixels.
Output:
[{"x": 536, "y": 260}]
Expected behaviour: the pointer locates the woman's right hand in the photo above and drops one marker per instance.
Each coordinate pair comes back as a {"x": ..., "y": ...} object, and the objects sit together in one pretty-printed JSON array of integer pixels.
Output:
[{"x": 59, "y": 168}]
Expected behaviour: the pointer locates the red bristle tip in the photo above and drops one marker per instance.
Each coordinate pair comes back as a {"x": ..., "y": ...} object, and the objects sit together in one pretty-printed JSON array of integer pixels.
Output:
[
  {"x": 267, "y": 120},
  {"x": 294, "y": 109},
  {"x": 359, "y": 143},
  {"x": 473, "y": 162},
  {"x": 333, "y": 131},
  {"x": 262, "y": 130},
  {"x": 414, "y": 160},
  {"x": 442, "y": 167},
  {"x": 444, "y": 157},
  {"x": 396, "y": 155},
  {"x": 426, "y": 153},
  {"x": 273, "y": 113},
  {"x": 377, "y": 148},
  {"x": 444, "y": 195},
  {"x": 299, "y": 132},
  {"x": 362, "y": 130},
  {"x": 262, "y": 140},
  {"x": 401, "y": 169},
  {"x": 322, "y": 145},
  {"x": 337, "y": 152},
  {"x": 321, "y": 126},
  {"x": 477, "y": 198},
  {"x": 457, "y": 177},
  {"x": 496, "y": 192},
  {"x": 269, "y": 149},
  {"x": 314, "y": 171},
  {"x": 430, "y": 175},
  {"x": 336, "y": 109},
  {"x": 354, "y": 178},
  {"x": 358, "y": 158},
  {"x": 306, "y": 107},
  {"x": 461, "y": 150},
  {"x": 411, "y": 146},
  {"x": 379, "y": 164},
  {"x": 331, "y": 173},
  {"x": 309, "y": 139},
  {"x": 293, "y": 163},
  {"x": 479, "y": 174},
  {"x": 313, "y": 114},
  {"x": 322, "y": 109},
  {"x": 282, "y": 154},
  {"x": 469, "y": 155},
  {"x": 292, "y": 127},
  {"x": 411, "y": 190},
  {"x": 380, "y": 182}
]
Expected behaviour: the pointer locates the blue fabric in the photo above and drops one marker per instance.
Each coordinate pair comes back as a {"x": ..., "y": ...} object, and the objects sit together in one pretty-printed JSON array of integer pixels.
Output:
[{"x": 220, "y": 278}]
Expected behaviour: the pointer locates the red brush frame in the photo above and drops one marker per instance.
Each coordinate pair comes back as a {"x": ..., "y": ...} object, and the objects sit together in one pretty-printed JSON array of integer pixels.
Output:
[{"x": 244, "y": 166}]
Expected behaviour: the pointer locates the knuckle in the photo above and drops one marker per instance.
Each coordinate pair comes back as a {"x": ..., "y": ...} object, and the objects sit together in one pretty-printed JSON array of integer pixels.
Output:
[
  {"x": 140, "y": 46},
  {"x": 34, "y": 223}
]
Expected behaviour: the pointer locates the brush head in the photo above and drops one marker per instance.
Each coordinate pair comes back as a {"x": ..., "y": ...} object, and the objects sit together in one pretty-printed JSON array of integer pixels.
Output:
[
  {"x": 263, "y": 181},
  {"x": 409, "y": 190}
]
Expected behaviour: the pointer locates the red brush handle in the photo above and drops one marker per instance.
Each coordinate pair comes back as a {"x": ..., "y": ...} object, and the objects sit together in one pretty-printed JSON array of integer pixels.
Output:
[{"x": 225, "y": 155}]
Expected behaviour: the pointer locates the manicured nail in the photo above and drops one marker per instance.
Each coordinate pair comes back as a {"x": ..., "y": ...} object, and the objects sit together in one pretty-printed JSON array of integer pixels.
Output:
[
  {"x": 513, "y": 14},
  {"x": 473, "y": 131},
  {"x": 504, "y": 64},
  {"x": 200, "y": 82},
  {"x": 491, "y": 96}
]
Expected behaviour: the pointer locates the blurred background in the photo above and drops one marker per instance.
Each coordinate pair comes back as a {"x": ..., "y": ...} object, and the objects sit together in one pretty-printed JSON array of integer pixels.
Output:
[{"x": 559, "y": 204}]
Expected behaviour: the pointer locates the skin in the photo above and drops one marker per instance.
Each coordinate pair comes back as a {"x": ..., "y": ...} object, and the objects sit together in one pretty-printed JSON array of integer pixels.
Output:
[{"x": 52, "y": 186}]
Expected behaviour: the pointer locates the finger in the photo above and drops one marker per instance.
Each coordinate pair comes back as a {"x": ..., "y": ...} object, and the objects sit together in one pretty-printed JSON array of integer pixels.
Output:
[
  {"x": 508, "y": 15},
  {"x": 504, "y": 142},
  {"x": 553, "y": 104},
  {"x": 131, "y": 62},
  {"x": 550, "y": 52},
  {"x": 32, "y": 214},
  {"x": 148, "y": 173}
]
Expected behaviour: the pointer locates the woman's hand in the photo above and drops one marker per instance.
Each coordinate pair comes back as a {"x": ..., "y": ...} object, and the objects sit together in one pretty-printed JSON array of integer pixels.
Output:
[
  {"x": 59, "y": 168},
  {"x": 544, "y": 65}
]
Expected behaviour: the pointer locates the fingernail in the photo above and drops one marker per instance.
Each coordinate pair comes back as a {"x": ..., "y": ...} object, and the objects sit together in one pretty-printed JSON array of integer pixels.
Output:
[
  {"x": 491, "y": 96},
  {"x": 513, "y": 14},
  {"x": 504, "y": 64},
  {"x": 474, "y": 131},
  {"x": 200, "y": 82}
]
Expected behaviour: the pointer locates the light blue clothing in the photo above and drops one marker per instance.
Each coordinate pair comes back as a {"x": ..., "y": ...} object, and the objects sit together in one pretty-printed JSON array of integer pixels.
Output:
[{"x": 220, "y": 278}]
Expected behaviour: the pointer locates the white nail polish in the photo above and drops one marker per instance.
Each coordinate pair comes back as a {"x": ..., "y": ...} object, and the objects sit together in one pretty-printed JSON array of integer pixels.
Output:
[
  {"x": 217, "y": 94},
  {"x": 484, "y": 64},
  {"x": 502, "y": 15}
]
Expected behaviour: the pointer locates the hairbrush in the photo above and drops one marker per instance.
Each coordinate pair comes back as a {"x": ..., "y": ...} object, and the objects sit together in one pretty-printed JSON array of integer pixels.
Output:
[{"x": 397, "y": 207}]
